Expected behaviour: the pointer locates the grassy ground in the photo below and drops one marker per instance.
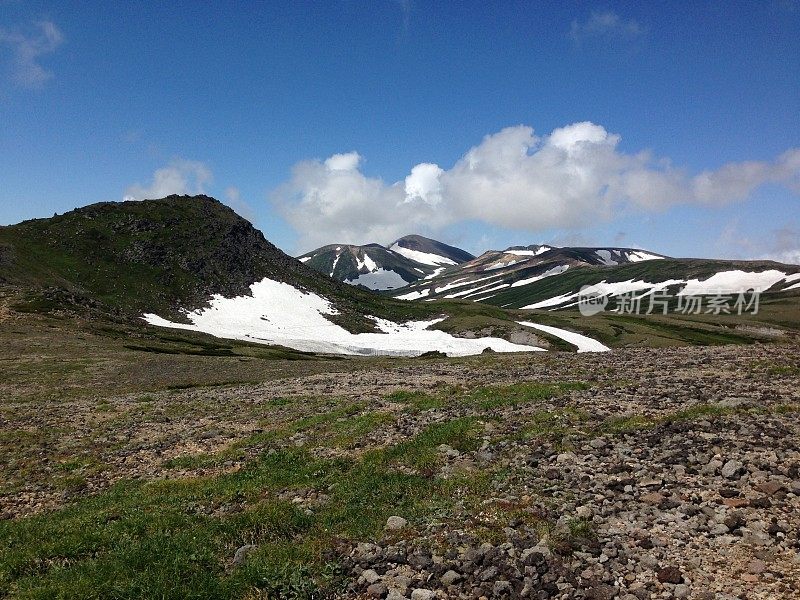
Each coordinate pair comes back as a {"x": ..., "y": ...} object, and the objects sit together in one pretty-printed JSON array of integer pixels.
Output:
[
  {"x": 136, "y": 462},
  {"x": 316, "y": 477}
]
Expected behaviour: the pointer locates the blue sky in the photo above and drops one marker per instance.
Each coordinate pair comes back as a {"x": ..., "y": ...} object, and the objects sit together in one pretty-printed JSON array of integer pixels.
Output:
[{"x": 668, "y": 125}]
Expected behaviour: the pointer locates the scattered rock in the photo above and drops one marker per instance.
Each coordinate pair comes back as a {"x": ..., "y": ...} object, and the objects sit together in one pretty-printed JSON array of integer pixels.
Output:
[
  {"x": 240, "y": 556},
  {"x": 670, "y": 575},
  {"x": 450, "y": 577},
  {"x": 394, "y": 523},
  {"x": 731, "y": 469}
]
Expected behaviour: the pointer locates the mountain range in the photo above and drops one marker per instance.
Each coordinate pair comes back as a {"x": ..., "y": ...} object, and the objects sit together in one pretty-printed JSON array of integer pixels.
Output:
[
  {"x": 544, "y": 276},
  {"x": 191, "y": 263}
]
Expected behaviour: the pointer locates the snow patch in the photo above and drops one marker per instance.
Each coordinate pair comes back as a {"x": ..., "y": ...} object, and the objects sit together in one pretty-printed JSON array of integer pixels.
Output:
[
  {"x": 470, "y": 291},
  {"x": 415, "y": 295},
  {"x": 540, "y": 250},
  {"x": 582, "y": 342},
  {"x": 305, "y": 259},
  {"x": 724, "y": 282},
  {"x": 367, "y": 264},
  {"x": 435, "y": 273},
  {"x": 605, "y": 288},
  {"x": 502, "y": 265},
  {"x": 335, "y": 262},
  {"x": 730, "y": 282},
  {"x": 425, "y": 258},
  {"x": 549, "y": 273},
  {"x": 641, "y": 255},
  {"x": 380, "y": 279},
  {"x": 486, "y": 291},
  {"x": 605, "y": 258}
]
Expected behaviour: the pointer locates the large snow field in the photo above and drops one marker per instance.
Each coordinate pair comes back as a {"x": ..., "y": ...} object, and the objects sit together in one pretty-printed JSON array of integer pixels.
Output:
[{"x": 278, "y": 313}]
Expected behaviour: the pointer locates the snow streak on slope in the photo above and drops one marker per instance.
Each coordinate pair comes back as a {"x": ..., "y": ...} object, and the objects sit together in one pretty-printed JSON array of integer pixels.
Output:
[
  {"x": 278, "y": 313},
  {"x": 425, "y": 258},
  {"x": 790, "y": 279},
  {"x": 604, "y": 288},
  {"x": 335, "y": 262},
  {"x": 415, "y": 295},
  {"x": 540, "y": 250},
  {"x": 550, "y": 272},
  {"x": 367, "y": 264},
  {"x": 583, "y": 343}
]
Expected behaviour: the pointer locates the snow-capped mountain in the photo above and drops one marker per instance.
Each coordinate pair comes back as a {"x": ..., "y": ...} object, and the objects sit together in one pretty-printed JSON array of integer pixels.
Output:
[
  {"x": 430, "y": 252},
  {"x": 409, "y": 259},
  {"x": 495, "y": 270}
]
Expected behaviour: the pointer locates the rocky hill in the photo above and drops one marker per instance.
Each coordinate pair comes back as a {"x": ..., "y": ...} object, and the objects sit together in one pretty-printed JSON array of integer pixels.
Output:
[{"x": 165, "y": 256}]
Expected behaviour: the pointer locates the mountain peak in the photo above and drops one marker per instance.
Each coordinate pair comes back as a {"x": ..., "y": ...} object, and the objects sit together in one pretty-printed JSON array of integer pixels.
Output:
[
  {"x": 408, "y": 259},
  {"x": 428, "y": 251},
  {"x": 169, "y": 254}
]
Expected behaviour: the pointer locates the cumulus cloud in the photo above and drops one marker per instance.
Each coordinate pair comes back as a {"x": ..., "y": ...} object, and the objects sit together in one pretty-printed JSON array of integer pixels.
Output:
[
  {"x": 180, "y": 176},
  {"x": 605, "y": 25},
  {"x": 574, "y": 176},
  {"x": 333, "y": 201},
  {"x": 27, "y": 49},
  {"x": 785, "y": 246}
]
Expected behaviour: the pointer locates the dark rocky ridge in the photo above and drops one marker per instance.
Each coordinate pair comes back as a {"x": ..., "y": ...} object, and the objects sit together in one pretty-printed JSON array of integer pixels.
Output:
[{"x": 163, "y": 256}]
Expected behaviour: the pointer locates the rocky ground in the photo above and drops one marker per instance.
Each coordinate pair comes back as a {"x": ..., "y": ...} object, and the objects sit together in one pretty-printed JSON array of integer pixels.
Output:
[{"x": 666, "y": 473}]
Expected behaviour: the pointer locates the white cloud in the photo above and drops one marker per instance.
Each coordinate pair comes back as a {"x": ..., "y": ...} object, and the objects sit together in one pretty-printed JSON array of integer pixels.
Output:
[
  {"x": 28, "y": 49},
  {"x": 576, "y": 176},
  {"x": 180, "y": 176},
  {"x": 344, "y": 162},
  {"x": 607, "y": 25},
  {"x": 789, "y": 257},
  {"x": 424, "y": 184},
  {"x": 738, "y": 241},
  {"x": 333, "y": 201},
  {"x": 785, "y": 246}
]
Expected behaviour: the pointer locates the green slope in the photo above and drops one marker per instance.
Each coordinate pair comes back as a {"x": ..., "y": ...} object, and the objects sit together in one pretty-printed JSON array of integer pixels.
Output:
[{"x": 653, "y": 271}]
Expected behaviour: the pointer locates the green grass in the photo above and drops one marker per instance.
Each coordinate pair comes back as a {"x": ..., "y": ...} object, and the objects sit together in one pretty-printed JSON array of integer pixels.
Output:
[
  {"x": 417, "y": 400},
  {"x": 626, "y": 424},
  {"x": 485, "y": 398},
  {"x": 784, "y": 370},
  {"x": 554, "y": 423},
  {"x": 515, "y": 395},
  {"x": 632, "y": 423},
  {"x": 346, "y": 431},
  {"x": 173, "y": 538}
]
